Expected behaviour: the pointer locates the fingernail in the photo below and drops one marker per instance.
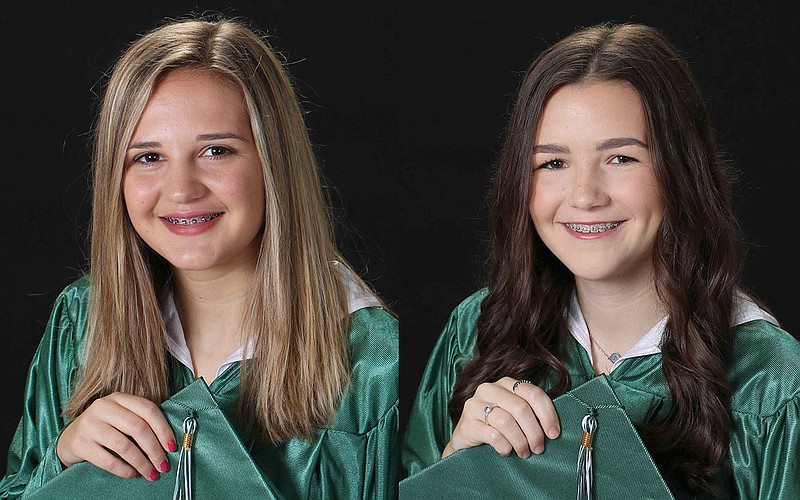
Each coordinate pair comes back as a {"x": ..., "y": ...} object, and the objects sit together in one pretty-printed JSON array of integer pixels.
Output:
[
  {"x": 526, "y": 454},
  {"x": 163, "y": 466},
  {"x": 538, "y": 449},
  {"x": 153, "y": 475},
  {"x": 172, "y": 446},
  {"x": 553, "y": 432}
]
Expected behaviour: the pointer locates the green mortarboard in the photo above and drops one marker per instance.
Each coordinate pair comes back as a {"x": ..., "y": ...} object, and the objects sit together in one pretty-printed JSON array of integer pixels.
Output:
[
  {"x": 621, "y": 466},
  {"x": 221, "y": 466}
]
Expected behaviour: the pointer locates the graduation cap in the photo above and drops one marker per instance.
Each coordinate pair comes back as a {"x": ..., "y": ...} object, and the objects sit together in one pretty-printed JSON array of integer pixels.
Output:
[
  {"x": 598, "y": 455},
  {"x": 214, "y": 465}
]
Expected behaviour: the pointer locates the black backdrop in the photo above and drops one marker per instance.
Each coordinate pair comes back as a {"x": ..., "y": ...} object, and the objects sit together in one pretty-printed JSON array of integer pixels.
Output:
[
  {"x": 406, "y": 106},
  {"x": 459, "y": 71},
  {"x": 343, "y": 57}
]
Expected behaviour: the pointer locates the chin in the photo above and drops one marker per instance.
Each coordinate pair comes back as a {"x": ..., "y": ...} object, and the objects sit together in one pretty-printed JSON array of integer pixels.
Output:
[
  {"x": 192, "y": 263},
  {"x": 589, "y": 272}
]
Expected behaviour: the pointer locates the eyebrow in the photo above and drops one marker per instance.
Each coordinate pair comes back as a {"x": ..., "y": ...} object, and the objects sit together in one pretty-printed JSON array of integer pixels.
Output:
[
  {"x": 616, "y": 142},
  {"x": 202, "y": 137},
  {"x": 219, "y": 135}
]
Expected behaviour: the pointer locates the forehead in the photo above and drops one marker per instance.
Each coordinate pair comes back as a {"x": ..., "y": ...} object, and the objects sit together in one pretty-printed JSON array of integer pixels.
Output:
[
  {"x": 192, "y": 99},
  {"x": 592, "y": 110},
  {"x": 190, "y": 84},
  {"x": 194, "y": 79}
]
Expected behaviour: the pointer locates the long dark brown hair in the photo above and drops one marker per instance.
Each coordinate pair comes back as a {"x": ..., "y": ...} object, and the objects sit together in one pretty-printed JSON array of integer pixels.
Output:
[{"x": 522, "y": 328}]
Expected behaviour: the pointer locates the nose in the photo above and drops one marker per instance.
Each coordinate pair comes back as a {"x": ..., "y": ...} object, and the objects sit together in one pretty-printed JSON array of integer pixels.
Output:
[
  {"x": 183, "y": 182},
  {"x": 588, "y": 187}
]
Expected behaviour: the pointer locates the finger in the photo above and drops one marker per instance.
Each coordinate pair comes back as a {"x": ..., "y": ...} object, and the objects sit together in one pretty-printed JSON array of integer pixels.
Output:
[
  {"x": 503, "y": 421},
  {"x": 500, "y": 392},
  {"x": 106, "y": 460},
  {"x": 526, "y": 420},
  {"x": 472, "y": 431},
  {"x": 542, "y": 407},
  {"x": 480, "y": 427},
  {"x": 135, "y": 439},
  {"x": 486, "y": 434},
  {"x": 491, "y": 391},
  {"x": 151, "y": 413},
  {"x": 503, "y": 393},
  {"x": 496, "y": 439},
  {"x": 114, "y": 441}
]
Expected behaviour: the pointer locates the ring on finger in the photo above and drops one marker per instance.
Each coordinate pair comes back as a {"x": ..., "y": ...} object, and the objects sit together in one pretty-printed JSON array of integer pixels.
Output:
[
  {"x": 520, "y": 381},
  {"x": 486, "y": 411}
]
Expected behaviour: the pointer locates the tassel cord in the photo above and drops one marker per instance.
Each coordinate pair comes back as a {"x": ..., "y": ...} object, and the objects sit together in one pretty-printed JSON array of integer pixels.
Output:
[
  {"x": 585, "y": 470},
  {"x": 585, "y": 476},
  {"x": 183, "y": 476}
]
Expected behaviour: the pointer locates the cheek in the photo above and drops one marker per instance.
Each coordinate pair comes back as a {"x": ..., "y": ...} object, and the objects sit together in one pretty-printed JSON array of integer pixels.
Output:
[
  {"x": 543, "y": 203},
  {"x": 257, "y": 205},
  {"x": 140, "y": 197},
  {"x": 243, "y": 190},
  {"x": 253, "y": 190},
  {"x": 646, "y": 184},
  {"x": 138, "y": 194},
  {"x": 138, "y": 203},
  {"x": 645, "y": 198}
]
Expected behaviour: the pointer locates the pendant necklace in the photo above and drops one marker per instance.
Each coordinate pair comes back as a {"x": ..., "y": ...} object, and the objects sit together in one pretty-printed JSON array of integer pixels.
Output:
[{"x": 614, "y": 355}]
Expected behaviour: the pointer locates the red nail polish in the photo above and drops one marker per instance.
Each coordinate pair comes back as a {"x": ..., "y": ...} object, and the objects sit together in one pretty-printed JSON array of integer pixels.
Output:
[
  {"x": 153, "y": 475},
  {"x": 172, "y": 446},
  {"x": 163, "y": 466}
]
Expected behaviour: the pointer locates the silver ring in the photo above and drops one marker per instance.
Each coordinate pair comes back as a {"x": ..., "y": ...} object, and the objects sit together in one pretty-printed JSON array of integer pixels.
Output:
[
  {"x": 486, "y": 411},
  {"x": 520, "y": 381}
]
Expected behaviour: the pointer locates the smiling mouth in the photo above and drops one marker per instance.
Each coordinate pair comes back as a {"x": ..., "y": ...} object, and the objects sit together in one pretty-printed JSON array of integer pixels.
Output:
[
  {"x": 592, "y": 228},
  {"x": 191, "y": 220}
]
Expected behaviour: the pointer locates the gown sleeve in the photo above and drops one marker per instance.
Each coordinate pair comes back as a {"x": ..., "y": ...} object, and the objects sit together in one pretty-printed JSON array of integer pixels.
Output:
[
  {"x": 356, "y": 457},
  {"x": 429, "y": 426},
  {"x": 765, "y": 446},
  {"x": 382, "y": 444},
  {"x": 359, "y": 455},
  {"x": 359, "y": 466},
  {"x": 32, "y": 459},
  {"x": 765, "y": 457}
]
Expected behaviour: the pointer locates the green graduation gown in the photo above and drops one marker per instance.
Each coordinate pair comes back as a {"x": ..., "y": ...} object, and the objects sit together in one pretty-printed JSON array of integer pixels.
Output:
[
  {"x": 765, "y": 405},
  {"x": 471, "y": 473},
  {"x": 355, "y": 457}
]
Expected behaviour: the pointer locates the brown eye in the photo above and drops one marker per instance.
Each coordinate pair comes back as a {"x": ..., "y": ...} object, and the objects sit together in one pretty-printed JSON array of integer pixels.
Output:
[
  {"x": 552, "y": 165},
  {"x": 621, "y": 159},
  {"x": 148, "y": 157},
  {"x": 216, "y": 151}
]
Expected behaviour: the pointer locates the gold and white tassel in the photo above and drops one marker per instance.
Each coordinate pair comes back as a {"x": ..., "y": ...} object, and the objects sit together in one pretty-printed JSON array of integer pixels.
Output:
[
  {"x": 589, "y": 425},
  {"x": 183, "y": 476}
]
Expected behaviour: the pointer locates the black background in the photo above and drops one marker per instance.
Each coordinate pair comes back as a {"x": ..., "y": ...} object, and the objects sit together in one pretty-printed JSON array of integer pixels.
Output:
[
  {"x": 406, "y": 106},
  {"x": 343, "y": 57},
  {"x": 460, "y": 69}
]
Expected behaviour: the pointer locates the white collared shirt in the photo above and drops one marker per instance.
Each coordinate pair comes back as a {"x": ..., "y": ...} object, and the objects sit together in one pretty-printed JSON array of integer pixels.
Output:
[
  {"x": 650, "y": 343},
  {"x": 358, "y": 297}
]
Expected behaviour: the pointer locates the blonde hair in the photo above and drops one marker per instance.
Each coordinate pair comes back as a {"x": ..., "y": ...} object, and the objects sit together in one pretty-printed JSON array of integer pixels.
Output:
[{"x": 297, "y": 316}]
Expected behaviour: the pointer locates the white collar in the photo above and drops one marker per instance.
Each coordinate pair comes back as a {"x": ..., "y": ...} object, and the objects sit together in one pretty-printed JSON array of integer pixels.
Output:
[
  {"x": 650, "y": 343},
  {"x": 358, "y": 297}
]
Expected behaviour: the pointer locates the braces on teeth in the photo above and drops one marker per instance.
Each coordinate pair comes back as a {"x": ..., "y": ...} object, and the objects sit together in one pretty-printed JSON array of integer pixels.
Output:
[
  {"x": 193, "y": 220},
  {"x": 593, "y": 228}
]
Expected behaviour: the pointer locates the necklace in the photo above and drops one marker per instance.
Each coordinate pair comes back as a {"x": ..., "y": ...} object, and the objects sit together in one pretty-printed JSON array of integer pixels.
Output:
[{"x": 614, "y": 355}]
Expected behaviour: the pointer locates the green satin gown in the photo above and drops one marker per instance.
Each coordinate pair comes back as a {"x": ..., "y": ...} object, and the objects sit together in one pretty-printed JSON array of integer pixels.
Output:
[
  {"x": 353, "y": 458},
  {"x": 765, "y": 409}
]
